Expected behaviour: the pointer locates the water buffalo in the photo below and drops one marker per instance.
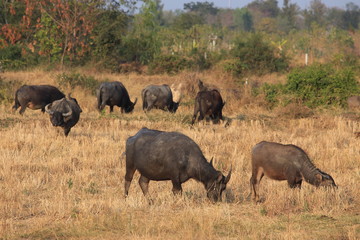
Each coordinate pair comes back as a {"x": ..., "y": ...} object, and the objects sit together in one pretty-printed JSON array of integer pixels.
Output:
[
  {"x": 36, "y": 97},
  {"x": 114, "y": 94},
  {"x": 208, "y": 103},
  {"x": 353, "y": 102},
  {"x": 64, "y": 113},
  {"x": 160, "y": 97},
  {"x": 171, "y": 156},
  {"x": 285, "y": 162}
]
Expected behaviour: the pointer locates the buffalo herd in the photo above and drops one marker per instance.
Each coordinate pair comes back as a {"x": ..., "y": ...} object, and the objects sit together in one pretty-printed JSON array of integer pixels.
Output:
[{"x": 161, "y": 156}]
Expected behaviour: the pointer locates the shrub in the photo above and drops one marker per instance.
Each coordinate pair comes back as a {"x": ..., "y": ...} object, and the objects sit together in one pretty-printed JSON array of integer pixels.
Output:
[
  {"x": 170, "y": 64},
  {"x": 77, "y": 80},
  {"x": 255, "y": 55},
  {"x": 272, "y": 93},
  {"x": 16, "y": 58},
  {"x": 322, "y": 85}
]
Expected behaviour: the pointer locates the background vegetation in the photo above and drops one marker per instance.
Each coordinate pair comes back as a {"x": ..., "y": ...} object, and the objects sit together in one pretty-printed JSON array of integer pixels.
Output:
[{"x": 54, "y": 187}]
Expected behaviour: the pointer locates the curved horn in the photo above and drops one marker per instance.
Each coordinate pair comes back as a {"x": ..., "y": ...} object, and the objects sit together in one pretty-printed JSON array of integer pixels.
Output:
[
  {"x": 48, "y": 110},
  {"x": 67, "y": 113},
  {"x": 135, "y": 102},
  {"x": 227, "y": 179}
]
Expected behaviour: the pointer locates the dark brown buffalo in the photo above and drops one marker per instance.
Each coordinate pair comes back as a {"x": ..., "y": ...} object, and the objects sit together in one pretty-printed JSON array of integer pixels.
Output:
[
  {"x": 171, "y": 156},
  {"x": 36, "y": 97},
  {"x": 208, "y": 103},
  {"x": 64, "y": 113},
  {"x": 114, "y": 94},
  {"x": 285, "y": 162}
]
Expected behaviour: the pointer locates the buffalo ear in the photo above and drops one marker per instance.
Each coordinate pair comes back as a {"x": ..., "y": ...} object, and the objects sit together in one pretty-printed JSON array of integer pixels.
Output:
[
  {"x": 211, "y": 161},
  {"x": 219, "y": 177},
  {"x": 319, "y": 177}
]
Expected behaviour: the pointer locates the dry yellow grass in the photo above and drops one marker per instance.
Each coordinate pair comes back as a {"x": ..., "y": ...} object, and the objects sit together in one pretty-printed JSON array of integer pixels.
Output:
[{"x": 53, "y": 187}]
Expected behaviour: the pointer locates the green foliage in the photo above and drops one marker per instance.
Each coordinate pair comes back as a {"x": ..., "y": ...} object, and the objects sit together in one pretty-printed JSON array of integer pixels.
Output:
[
  {"x": 48, "y": 38},
  {"x": 256, "y": 56},
  {"x": 318, "y": 85},
  {"x": 73, "y": 80},
  {"x": 170, "y": 64},
  {"x": 186, "y": 21},
  {"x": 143, "y": 44},
  {"x": 204, "y": 8},
  {"x": 233, "y": 66},
  {"x": 243, "y": 19},
  {"x": 10, "y": 58},
  {"x": 272, "y": 93}
]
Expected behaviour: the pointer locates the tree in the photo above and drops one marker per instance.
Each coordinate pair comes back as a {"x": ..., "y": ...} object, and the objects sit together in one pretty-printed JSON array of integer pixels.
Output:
[
  {"x": 289, "y": 13},
  {"x": 351, "y": 16},
  {"x": 316, "y": 13},
  {"x": 202, "y": 8},
  {"x": 267, "y": 8},
  {"x": 243, "y": 19},
  {"x": 142, "y": 44},
  {"x": 187, "y": 20},
  {"x": 76, "y": 20},
  {"x": 108, "y": 34}
]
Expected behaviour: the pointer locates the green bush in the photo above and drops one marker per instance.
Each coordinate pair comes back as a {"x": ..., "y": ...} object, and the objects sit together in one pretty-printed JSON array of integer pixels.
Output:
[
  {"x": 170, "y": 64},
  {"x": 16, "y": 57},
  {"x": 322, "y": 85},
  {"x": 233, "y": 66},
  {"x": 73, "y": 80},
  {"x": 254, "y": 55}
]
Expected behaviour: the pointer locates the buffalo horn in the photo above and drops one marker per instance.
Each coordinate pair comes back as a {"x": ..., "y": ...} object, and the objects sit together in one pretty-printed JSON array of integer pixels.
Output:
[
  {"x": 227, "y": 179},
  {"x": 135, "y": 102},
  {"x": 67, "y": 113},
  {"x": 48, "y": 110}
]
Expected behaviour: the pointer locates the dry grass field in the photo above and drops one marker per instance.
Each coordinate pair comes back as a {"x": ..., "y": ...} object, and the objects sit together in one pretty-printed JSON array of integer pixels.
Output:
[{"x": 56, "y": 187}]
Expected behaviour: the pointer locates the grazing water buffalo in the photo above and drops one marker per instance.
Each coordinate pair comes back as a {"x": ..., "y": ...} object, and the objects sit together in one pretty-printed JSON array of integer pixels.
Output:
[
  {"x": 64, "y": 113},
  {"x": 208, "y": 103},
  {"x": 36, "y": 97},
  {"x": 160, "y": 97},
  {"x": 285, "y": 162},
  {"x": 114, "y": 94},
  {"x": 171, "y": 156},
  {"x": 354, "y": 102}
]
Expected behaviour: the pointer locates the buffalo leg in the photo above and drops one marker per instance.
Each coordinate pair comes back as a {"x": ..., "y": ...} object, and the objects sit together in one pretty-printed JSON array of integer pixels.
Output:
[
  {"x": 128, "y": 178},
  {"x": 111, "y": 109},
  {"x": 255, "y": 181},
  {"x": 295, "y": 182},
  {"x": 177, "y": 189},
  {"x": 22, "y": 109},
  {"x": 144, "y": 184},
  {"x": 196, "y": 110}
]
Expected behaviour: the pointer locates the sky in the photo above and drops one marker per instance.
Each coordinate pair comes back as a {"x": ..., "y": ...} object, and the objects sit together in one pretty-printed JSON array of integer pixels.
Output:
[{"x": 303, "y": 4}]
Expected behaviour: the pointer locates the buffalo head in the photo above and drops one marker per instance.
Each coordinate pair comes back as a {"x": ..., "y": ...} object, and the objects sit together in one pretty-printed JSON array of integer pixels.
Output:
[
  {"x": 58, "y": 118},
  {"x": 215, "y": 190},
  {"x": 324, "y": 180},
  {"x": 131, "y": 106}
]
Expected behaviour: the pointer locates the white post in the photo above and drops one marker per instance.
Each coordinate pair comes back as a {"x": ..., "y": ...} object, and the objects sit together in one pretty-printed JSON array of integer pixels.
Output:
[{"x": 306, "y": 59}]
